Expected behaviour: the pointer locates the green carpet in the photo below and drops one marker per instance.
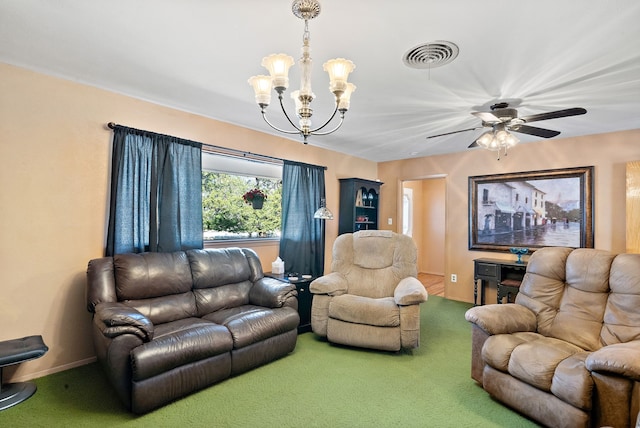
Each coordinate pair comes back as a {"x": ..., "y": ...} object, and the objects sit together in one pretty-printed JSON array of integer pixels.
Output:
[{"x": 318, "y": 385}]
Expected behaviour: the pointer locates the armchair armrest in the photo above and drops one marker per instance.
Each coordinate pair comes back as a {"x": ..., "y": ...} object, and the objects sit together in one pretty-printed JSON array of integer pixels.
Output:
[
  {"x": 410, "y": 291},
  {"x": 502, "y": 318},
  {"x": 114, "y": 319},
  {"x": 620, "y": 359},
  {"x": 333, "y": 284},
  {"x": 271, "y": 293}
]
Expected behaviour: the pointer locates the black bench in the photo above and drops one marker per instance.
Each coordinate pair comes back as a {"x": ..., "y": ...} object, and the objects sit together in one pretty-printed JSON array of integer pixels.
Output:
[{"x": 17, "y": 351}]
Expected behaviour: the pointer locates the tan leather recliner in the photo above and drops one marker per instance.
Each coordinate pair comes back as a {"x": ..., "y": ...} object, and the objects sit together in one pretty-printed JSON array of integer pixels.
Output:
[
  {"x": 372, "y": 297},
  {"x": 567, "y": 352}
]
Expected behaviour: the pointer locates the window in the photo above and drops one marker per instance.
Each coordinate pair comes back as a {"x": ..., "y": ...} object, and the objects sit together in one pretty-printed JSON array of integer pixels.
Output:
[{"x": 225, "y": 214}]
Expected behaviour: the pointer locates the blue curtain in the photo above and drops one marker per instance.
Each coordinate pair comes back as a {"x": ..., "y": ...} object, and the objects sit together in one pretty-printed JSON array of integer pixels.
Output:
[
  {"x": 156, "y": 193},
  {"x": 302, "y": 240}
]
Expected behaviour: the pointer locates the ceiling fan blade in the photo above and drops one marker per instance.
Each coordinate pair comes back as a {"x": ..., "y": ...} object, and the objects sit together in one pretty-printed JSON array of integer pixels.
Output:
[
  {"x": 532, "y": 130},
  {"x": 472, "y": 145},
  {"x": 486, "y": 116},
  {"x": 575, "y": 111},
  {"x": 453, "y": 132}
]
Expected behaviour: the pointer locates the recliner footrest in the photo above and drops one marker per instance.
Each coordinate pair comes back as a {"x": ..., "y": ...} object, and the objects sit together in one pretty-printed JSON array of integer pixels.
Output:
[
  {"x": 19, "y": 350},
  {"x": 13, "y": 352}
]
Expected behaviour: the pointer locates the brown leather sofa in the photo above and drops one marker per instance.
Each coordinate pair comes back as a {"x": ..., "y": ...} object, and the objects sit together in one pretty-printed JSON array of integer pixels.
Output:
[
  {"x": 168, "y": 324},
  {"x": 567, "y": 352}
]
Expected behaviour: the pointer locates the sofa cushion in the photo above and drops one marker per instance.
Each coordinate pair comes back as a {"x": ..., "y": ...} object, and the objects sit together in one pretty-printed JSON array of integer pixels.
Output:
[
  {"x": 622, "y": 318},
  {"x": 165, "y": 308},
  {"x": 179, "y": 343},
  {"x": 249, "y": 324},
  {"x": 549, "y": 364},
  {"x": 145, "y": 275},
  {"x": 572, "y": 382},
  {"x": 213, "y": 268},
  {"x": 497, "y": 349},
  {"x": 222, "y": 297},
  {"x": 381, "y": 312},
  {"x": 535, "y": 362},
  {"x": 581, "y": 312}
]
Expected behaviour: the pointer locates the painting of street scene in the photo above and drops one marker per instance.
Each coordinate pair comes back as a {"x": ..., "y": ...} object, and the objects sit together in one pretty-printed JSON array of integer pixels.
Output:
[{"x": 533, "y": 210}]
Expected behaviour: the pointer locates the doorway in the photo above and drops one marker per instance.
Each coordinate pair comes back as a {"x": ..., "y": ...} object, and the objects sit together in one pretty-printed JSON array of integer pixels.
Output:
[{"x": 423, "y": 218}]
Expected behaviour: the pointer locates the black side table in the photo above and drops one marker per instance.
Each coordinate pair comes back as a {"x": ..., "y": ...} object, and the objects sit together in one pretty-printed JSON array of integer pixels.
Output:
[
  {"x": 506, "y": 274},
  {"x": 304, "y": 296}
]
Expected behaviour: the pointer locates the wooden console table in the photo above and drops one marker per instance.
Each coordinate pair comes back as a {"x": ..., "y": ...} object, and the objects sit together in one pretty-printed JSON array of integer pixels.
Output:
[{"x": 506, "y": 274}]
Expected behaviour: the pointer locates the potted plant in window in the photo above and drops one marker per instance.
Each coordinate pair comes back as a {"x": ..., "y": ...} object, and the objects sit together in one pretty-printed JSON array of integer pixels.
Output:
[{"x": 255, "y": 197}]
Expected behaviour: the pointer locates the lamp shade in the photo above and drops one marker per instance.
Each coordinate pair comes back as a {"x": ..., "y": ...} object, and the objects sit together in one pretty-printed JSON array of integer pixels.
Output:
[
  {"x": 323, "y": 213},
  {"x": 262, "y": 87},
  {"x": 485, "y": 140},
  {"x": 278, "y": 66},
  {"x": 511, "y": 140},
  {"x": 345, "y": 98},
  {"x": 338, "y": 70}
]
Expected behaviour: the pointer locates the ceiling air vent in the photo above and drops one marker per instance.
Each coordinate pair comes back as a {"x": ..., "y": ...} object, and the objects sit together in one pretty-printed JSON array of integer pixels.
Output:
[{"x": 430, "y": 55}]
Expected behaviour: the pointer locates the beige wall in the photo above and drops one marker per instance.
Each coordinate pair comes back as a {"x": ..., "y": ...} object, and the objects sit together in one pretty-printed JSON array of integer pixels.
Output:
[
  {"x": 433, "y": 219},
  {"x": 633, "y": 206},
  {"x": 609, "y": 154},
  {"x": 54, "y": 168}
]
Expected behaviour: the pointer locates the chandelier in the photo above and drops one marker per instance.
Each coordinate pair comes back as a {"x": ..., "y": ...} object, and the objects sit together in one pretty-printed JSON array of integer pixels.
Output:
[
  {"x": 278, "y": 66},
  {"x": 498, "y": 139}
]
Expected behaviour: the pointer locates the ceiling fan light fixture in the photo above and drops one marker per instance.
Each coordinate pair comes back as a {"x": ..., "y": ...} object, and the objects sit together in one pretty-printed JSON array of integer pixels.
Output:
[
  {"x": 497, "y": 140},
  {"x": 511, "y": 140},
  {"x": 485, "y": 140}
]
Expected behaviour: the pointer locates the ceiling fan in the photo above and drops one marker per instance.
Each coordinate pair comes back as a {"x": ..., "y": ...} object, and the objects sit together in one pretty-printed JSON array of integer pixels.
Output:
[{"x": 503, "y": 118}]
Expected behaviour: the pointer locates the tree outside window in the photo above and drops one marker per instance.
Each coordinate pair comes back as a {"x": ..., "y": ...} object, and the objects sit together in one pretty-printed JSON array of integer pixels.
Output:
[{"x": 225, "y": 213}]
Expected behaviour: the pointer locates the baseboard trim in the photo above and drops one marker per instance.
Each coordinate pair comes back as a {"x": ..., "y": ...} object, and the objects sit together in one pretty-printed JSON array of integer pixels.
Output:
[{"x": 53, "y": 370}]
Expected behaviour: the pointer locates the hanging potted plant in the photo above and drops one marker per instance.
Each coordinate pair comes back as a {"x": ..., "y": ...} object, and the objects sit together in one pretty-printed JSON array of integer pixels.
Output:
[{"x": 255, "y": 197}]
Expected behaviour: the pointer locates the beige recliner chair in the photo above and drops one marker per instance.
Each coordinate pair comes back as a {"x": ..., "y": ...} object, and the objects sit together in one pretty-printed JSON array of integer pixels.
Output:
[
  {"x": 372, "y": 297},
  {"x": 567, "y": 352}
]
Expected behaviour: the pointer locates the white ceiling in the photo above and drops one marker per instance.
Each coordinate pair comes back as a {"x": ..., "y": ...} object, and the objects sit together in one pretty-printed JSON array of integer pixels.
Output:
[{"x": 196, "y": 55}]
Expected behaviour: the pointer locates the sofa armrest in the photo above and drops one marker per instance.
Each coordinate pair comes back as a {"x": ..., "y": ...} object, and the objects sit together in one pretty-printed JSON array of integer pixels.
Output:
[
  {"x": 410, "y": 291},
  {"x": 502, "y": 318},
  {"x": 333, "y": 284},
  {"x": 115, "y": 319},
  {"x": 620, "y": 359},
  {"x": 271, "y": 293}
]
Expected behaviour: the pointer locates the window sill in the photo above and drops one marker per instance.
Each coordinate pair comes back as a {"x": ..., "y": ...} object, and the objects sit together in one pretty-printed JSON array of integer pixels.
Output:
[{"x": 255, "y": 242}]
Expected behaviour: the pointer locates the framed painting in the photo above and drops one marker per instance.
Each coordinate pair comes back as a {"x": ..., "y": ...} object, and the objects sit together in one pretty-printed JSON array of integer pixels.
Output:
[{"x": 535, "y": 209}]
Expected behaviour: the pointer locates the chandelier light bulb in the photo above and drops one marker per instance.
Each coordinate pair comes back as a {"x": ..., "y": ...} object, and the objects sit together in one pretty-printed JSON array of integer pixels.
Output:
[
  {"x": 345, "y": 98},
  {"x": 262, "y": 88},
  {"x": 278, "y": 66},
  {"x": 338, "y": 70}
]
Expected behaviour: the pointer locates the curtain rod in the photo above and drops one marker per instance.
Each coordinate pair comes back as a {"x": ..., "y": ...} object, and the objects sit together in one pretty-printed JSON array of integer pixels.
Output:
[{"x": 226, "y": 151}]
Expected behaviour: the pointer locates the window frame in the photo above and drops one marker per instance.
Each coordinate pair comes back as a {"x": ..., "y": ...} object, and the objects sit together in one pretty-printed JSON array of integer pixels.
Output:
[{"x": 239, "y": 166}]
